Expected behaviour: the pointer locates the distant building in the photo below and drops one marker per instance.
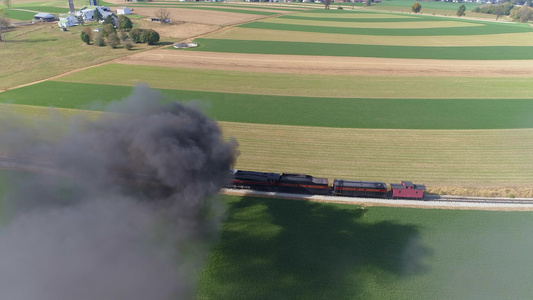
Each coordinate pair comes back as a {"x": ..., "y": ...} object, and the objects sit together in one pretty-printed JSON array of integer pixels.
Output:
[
  {"x": 123, "y": 11},
  {"x": 44, "y": 17},
  {"x": 67, "y": 21},
  {"x": 106, "y": 14},
  {"x": 87, "y": 12}
]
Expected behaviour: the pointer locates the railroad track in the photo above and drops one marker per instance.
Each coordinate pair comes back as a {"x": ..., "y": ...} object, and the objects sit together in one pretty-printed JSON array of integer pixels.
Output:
[
  {"x": 431, "y": 201},
  {"x": 35, "y": 166}
]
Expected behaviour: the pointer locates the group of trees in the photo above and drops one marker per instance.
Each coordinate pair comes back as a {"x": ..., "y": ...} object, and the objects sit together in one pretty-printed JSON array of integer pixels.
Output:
[
  {"x": 522, "y": 13},
  {"x": 109, "y": 36},
  {"x": 416, "y": 7},
  {"x": 495, "y": 9}
]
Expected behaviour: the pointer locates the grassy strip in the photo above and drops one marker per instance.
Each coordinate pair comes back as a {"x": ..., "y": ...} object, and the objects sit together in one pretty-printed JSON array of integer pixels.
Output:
[
  {"x": 352, "y": 20},
  {"x": 451, "y": 6},
  {"x": 509, "y": 39},
  {"x": 330, "y": 86},
  {"x": 369, "y": 25},
  {"x": 302, "y": 111},
  {"x": 487, "y": 28},
  {"x": 43, "y": 8},
  {"x": 279, "y": 249},
  {"x": 64, "y": 52},
  {"x": 19, "y": 14},
  {"x": 354, "y": 50}
]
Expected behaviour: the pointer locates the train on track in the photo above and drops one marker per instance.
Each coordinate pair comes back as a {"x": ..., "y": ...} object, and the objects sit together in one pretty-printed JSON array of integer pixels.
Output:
[{"x": 309, "y": 185}]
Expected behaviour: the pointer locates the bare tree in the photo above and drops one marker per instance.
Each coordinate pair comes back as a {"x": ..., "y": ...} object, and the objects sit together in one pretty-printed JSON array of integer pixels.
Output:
[
  {"x": 163, "y": 15},
  {"x": 4, "y": 22}
]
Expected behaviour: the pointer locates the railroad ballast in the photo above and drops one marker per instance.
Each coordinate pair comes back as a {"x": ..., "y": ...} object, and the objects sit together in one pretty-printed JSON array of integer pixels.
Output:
[{"x": 307, "y": 184}]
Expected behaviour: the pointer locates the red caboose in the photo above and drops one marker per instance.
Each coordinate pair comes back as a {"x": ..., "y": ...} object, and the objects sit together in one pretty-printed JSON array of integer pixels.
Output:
[{"x": 407, "y": 190}]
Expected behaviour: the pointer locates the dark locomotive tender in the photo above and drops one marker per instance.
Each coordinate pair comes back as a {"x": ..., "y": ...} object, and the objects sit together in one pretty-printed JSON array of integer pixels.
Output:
[{"x": 307, "y": 184}]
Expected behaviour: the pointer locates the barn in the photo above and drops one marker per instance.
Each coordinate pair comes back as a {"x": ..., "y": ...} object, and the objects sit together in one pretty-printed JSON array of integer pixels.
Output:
[{"x": 44, "y": 17}]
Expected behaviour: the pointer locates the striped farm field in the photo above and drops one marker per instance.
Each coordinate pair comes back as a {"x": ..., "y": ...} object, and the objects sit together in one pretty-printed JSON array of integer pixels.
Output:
[
  {"x": 408, "y": 87},
  {"x": 440, "y": 159},
  {"x": 462, "y": 27},
  {"x": 251, "y": 34},
  {"x": 367, "y": 25},
  {"x": 370, "y": 34},
  {"x": 302, "y": 111}
]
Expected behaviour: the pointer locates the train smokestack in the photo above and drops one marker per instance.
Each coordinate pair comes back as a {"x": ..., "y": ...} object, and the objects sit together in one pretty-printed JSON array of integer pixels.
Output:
[{"x": 71, "y": 6}]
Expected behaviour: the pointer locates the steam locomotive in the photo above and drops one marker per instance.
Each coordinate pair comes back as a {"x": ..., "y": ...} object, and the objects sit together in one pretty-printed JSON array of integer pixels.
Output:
[{"x": 309, "y": 185}]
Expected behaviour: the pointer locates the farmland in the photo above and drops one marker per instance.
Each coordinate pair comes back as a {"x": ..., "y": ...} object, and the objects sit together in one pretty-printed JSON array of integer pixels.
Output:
[
  {"x": 454, "y": 109},
  {"x": 355, "y": 94},
  {"x": 294, "y": 249},
  {"x": 312, "y": 111}
]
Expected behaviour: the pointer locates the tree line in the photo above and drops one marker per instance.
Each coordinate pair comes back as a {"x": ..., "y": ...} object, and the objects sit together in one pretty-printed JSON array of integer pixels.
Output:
[{"x": 127, "y": 35}]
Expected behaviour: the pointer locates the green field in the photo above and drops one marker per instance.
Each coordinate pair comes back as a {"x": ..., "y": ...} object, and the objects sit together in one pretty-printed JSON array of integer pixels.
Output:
[
  {"x": 384, "y": 51},
  {"x": 485, "y": 28},
  {"x": 279, "y": 249},
  {"x": 458, "y": 39},
  {"x": 302, "y": 111},
  {"x": 42, "y": 8},
  {"x": 303, "y": 85},
  {"x": 19, "y": 14}
]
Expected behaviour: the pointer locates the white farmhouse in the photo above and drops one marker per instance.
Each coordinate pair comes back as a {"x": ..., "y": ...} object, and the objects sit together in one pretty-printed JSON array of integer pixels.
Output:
[
  {"x": 123, "y": 11},
  {"x": 67, "y": 21},
  {"x": 87, "y": 12}
]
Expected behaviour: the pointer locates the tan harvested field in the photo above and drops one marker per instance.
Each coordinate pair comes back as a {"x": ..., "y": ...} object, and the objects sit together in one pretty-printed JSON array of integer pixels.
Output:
[
  {"x": 510, "y": 39},
  {"x": 483, "y": 162},
  {"x": 327, "y": 65},
  {"x": 200, "y": 16},
  {"x": 404, "y": 25},
  {"x": 178, "y": 30},
  {"x": 475, "y": 162}
]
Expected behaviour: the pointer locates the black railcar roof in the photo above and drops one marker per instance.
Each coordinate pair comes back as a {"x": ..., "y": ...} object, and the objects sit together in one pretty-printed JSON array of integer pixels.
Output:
[
  {"x": 302, "y": 178},
  {"x": 360, "y": 184},
  {"x": 255, "y": 176}
]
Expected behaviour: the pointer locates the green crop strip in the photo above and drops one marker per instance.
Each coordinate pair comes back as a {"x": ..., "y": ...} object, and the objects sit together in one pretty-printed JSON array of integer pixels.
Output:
[
  {"x": 358, "y": 20},
  {"x": 303, "y": 111},
  {"x": 474, "y": 30},
  {"x": 43, "y": 8},
  {"x": 19, "y": 14},
  {"x": 385, "y": 51}
]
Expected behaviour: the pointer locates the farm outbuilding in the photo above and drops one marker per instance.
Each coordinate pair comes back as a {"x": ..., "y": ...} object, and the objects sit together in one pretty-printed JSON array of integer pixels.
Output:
[
  {"x": 123, "y": 11},
  {"x": 44, "y": 17}
]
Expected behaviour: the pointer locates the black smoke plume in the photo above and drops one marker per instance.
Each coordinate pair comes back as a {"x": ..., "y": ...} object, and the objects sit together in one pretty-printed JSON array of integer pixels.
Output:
[{"x": 128, "y": 211}]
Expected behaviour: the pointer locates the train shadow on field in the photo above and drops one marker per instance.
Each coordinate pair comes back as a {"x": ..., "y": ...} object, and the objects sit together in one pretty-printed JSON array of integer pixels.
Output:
[{"x": 280, "y": 249}]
